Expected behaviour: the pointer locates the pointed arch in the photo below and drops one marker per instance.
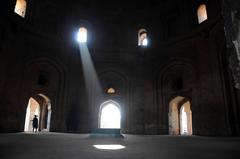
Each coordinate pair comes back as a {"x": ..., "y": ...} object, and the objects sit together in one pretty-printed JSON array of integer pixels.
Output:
[
  {"x": 202, "y": 13},
  {"x": 180, "y": 116},
  {"x": 21, "y": 7},
  {"x": 111, "y": 90},
  {"x": 173, "y": 115},
  {"x": 110, "y": 115},
  {"x": 39, "y": 105},
  {"x": 142, "y": 37},
  {"x": 33, "y": 108},
  {"x": 46, "y": 113},
  {"x": 176, "y": 77}
]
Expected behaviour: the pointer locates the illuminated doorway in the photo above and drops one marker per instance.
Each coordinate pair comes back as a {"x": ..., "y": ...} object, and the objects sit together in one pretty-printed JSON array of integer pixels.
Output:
[
  {"x": 33, "y": 108},
  {"x": 20, "y": 7},
  {"x": 110, "y": 115},
  {"x": 202, "y": 13},
  {"x": 185, "y": 119},
  {"x": 180, "y": 117},
  {"x": 39, "y": 105}
]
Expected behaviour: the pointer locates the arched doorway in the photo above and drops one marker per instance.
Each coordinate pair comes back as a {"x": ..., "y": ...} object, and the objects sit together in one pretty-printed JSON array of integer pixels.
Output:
[
  {"x": 46, "y": 111},
  {"x": 185, "y": 119},
  {"x": 110, "y": 115},
  {"x": 180, "y": 116},
  {"x": 33, "y": 108},
  {"x": 39, "y": 105}
]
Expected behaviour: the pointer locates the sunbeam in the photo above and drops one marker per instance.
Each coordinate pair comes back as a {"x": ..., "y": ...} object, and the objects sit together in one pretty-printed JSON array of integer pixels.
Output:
[{"x": 90, "y": 75}]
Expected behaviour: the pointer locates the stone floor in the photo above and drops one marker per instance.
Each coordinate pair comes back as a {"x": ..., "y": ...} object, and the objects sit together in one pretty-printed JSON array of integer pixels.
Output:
[{"x": 80, "y": 146}]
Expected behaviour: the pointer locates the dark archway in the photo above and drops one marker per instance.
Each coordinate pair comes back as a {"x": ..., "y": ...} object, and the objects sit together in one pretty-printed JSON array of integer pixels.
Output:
[
  {"x": 178, "y": 78},
  {"x": 118, "y": 95},
  {"x": 45, "y": 78}
]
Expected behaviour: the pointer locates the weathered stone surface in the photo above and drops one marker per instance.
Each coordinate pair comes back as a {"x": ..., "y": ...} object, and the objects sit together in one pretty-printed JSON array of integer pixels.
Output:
[{"x": 40, "y": 57}]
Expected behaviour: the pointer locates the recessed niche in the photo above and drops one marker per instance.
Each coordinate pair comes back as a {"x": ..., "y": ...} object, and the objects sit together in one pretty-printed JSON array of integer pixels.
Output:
[{"x": 42, "y": 80}]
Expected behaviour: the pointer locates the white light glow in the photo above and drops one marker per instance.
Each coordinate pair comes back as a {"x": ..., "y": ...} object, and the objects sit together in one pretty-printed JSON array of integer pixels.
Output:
[
  {"x": 145, "y": 42},
  {"x": 142, "y": 37},
  {"x": 33, "y": 108},
  {"x": 110, "y": 117},
  {"x": 82, "y": 35},
  {"x": 184, "y": 122},
  {"x": 109, "y": 147}
]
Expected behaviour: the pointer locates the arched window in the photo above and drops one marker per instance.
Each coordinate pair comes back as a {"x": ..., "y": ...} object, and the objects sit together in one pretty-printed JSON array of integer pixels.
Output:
[
  {"x": 111, "y": 90},
  {"x": 20, "y": 7},
  {"x": 82, "y": 35},
  {"x": 142, "y": 37},
  {"x": 202, "y": 13},
  {"x": 110, "y": 116},
  {"x": 186, "y": 119}
]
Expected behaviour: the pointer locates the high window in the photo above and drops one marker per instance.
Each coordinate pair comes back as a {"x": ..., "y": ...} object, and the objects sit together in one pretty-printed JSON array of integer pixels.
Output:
[
  {"x": 142, "y": 37},
  {"x": 82, "y": 35},
  {"x": 202, "y": 13},
  {"x": 20, "y": 7},
  {"x": 111, "y": 90}
]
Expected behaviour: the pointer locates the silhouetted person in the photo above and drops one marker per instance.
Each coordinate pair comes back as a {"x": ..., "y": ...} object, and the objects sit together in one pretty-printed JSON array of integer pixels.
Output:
[{"x": 35, "y": 123}]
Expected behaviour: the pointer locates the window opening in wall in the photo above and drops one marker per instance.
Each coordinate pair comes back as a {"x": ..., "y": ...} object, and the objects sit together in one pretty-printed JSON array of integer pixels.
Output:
[
  {"x": 142, "y": 37},
  {"x": 111, "y": 90},
  {"x": 82, "y": 35},
  {"x": 20, "y": 7},
  {"x": 186, "y": 119},
  {"x": 202, "y": 13}
]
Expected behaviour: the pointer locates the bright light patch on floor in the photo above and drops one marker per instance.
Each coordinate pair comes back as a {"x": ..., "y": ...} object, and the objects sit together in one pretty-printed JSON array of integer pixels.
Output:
[
  {"x": 109, "y": 147},
  {"x": 82, "y": 35},
  {"x": 110, "y": 117}
]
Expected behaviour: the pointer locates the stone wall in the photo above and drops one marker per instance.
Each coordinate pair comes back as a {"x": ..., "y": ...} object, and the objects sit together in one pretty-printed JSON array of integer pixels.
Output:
[
  {"x": 231, "y": 14},
  {"x": 40, "y": 57}
]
